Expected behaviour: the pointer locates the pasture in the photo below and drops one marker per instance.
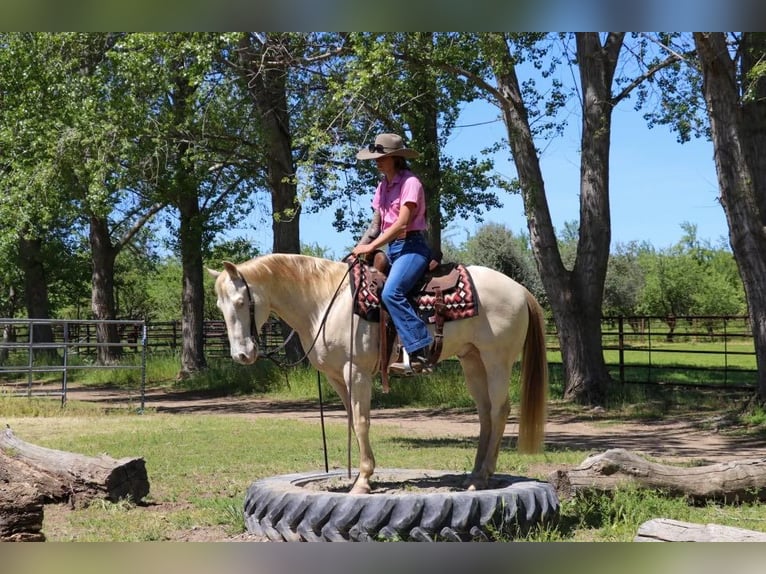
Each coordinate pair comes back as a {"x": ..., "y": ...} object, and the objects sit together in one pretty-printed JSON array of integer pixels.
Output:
[{"x": 200, "y": 460}]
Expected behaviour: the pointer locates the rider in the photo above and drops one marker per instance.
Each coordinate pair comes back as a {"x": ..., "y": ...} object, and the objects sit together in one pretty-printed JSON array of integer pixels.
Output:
[{"x": 399, "y": 221}]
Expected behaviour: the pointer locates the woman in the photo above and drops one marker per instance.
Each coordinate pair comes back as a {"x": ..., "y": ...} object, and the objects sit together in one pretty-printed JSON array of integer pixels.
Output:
[{"x": 399, "y": 221}]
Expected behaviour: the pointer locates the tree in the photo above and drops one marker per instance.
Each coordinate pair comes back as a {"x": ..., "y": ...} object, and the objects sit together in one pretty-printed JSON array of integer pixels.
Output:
[
  {"x": 496, "y": 247},
  {"x": 624, "y": 280},
  {"x": 200, "y": 146},
  {"x": 734, "y": 88},
  {"x": 264, "y": 62},
  {"x": 575, "y": 294},
  {"x": 391, "y": 84},
  {"x": 84, "y": 140},
  {"x": 670, "y": 281},
  {"x": 34, "y": 206}
]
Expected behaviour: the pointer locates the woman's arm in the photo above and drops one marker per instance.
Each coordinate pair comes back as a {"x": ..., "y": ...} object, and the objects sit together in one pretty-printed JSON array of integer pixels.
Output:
[
  {"x": 406, "y": 213},
  {"x": 373, "y": 230}
]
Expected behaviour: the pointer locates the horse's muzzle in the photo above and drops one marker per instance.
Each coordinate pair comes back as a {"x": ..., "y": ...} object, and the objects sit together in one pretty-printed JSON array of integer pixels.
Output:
[{"x": 244, "y": 358}]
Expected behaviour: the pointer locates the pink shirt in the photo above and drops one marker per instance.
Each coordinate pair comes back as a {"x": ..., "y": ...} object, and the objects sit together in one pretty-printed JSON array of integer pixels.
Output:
[{"x": 405, "y": 188}]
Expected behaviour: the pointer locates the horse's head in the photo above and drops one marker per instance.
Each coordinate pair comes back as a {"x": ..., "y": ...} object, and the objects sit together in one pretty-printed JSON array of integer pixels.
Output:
[{"x": 240, "y": 306}]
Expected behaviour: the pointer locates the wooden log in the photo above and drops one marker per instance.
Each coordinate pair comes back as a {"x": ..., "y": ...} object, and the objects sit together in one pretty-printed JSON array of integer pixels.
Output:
[
  {"x": 77, "y": 479},
  {"x": 736, "y": 481},
  {"x": 667, "y": 530},
  {"x": 21, "y": 513}
]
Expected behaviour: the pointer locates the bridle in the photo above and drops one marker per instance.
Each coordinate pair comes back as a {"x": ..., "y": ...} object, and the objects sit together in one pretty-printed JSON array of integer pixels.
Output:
[
  {"x": 270, "y": 354},
  {"x": 251, "y": 314}
]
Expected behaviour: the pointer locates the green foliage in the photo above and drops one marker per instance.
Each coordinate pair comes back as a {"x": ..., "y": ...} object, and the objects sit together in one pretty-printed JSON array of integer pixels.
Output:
[
  {"x": 316, "y": 250},
  {"x": 496, "y": 247},
  {"x": 624, "y": 281},
  {"x": 234, "y": 250},
  {"x": 690, "y": 278}
]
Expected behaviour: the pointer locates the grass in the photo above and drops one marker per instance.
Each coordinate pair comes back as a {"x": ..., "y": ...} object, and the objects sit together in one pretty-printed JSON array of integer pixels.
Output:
[{"x": 200, "y": 467}]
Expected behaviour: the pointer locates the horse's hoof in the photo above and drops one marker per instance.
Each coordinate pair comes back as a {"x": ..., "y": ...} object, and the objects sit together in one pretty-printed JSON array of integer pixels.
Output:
[
  {"x": 473, "y": 483},
  {"x": 360, "y": 489}
]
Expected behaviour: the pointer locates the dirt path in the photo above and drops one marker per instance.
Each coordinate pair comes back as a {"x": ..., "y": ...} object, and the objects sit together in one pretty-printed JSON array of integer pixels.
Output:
[
  {"x": 688, "y": 438},
  {"x": 700, "y": 437}
]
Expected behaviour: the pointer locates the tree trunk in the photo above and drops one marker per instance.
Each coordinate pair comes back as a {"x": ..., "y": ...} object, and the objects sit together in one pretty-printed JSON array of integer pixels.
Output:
[
  {"x": 268, "y": 89},
  {"x": 193, "y": 292},
  {"x": 185, "y": 193},
  {"x": 36, "y": 292},
  {"x": 575, "y": 295},
  {"x": 423, "y": 120},
  {"x": 21, "y": 513},
  {"x": 754, "y": 114},
  {"x": 60, "y": 476},
  {"x": 103, "y": 256},
  {"x": 741, "y": 481},
  {"x": 667, "y": 530},
  {"x": 737, "y": 180}
]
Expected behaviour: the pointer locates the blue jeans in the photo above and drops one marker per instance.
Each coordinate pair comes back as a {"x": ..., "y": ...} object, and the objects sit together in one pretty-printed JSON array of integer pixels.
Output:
[{"x": 409, "y": 258}]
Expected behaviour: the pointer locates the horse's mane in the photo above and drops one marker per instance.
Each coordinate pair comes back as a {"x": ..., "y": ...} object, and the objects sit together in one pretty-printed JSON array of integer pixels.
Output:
[{"x": 318, "y": 277}]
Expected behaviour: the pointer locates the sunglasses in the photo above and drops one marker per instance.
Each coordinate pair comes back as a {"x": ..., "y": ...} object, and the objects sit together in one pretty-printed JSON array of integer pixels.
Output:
[{"x": 376, "y": 148}]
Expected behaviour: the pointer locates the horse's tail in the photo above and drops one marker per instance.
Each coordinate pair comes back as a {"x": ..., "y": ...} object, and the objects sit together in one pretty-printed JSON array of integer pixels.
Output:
[{"x": 534, "y": 381}]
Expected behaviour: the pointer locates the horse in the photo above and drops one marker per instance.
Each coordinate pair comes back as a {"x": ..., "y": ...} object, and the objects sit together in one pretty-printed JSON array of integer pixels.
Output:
[{"x": 313, "y": 296}]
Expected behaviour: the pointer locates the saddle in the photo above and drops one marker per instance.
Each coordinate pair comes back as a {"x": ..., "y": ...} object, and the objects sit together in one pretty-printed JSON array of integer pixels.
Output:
[{"x": 445, "y": 293}]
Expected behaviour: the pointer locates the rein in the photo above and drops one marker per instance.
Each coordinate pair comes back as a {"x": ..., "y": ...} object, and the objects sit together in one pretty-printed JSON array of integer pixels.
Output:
[{"x": 269, "y": 355}]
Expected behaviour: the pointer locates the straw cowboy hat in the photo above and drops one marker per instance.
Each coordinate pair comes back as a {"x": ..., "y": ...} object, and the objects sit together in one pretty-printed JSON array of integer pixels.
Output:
[{"x": 384, "y": 146}]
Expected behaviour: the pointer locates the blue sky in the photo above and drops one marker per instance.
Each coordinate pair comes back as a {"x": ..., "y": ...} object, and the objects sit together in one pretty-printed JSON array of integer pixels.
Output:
[{"x": 656, "y": 184}]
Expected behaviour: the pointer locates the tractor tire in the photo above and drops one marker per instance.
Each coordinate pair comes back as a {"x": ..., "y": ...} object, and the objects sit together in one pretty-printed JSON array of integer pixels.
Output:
[{"x": 406, "y": 505}]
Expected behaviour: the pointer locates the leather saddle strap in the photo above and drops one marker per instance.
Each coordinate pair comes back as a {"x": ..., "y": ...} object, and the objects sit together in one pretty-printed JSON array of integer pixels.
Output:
[
  {"x": 385, "y": 350},
  {"x": 439, "y": 312}
]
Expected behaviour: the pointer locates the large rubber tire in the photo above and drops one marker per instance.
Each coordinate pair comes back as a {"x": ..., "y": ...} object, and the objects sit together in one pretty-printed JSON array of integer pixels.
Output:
[{"x": 315, "y": 507}]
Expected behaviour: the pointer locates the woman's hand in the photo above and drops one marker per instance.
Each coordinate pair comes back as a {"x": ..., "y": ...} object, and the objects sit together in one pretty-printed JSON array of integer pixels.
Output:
[{"x": 363, "y": 249}]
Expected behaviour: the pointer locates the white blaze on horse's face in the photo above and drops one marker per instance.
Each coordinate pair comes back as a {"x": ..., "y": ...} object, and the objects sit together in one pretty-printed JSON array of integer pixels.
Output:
[{"x": 234, "y": 301}]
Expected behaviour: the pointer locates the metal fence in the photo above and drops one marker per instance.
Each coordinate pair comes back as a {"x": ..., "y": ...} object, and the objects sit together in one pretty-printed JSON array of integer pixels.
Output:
[
  {"x": 706, "y": 351},
  {"x": 66, "y": 346},
  {"x": 694, "y": 350}
]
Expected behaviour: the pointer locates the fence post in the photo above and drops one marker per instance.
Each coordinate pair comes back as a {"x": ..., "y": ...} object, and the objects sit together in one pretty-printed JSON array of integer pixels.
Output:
[
  {"x": 621, "y": 345},
  {"x": 143, "y": 367},
  {"x": 725, "y": 351},
  {"x": 66, "y": 359},
  {"x": 30, "y": 355}
]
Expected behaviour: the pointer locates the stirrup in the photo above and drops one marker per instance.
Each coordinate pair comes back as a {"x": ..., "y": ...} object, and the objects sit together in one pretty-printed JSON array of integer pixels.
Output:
[{"x": 407, "y": 368}]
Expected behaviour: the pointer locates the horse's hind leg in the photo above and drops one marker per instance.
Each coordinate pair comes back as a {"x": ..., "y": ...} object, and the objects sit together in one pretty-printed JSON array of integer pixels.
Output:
[{"x": 488, "y": 385}]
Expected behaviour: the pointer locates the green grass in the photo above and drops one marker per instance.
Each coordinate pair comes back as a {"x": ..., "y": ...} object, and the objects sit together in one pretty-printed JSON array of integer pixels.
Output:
[{"x": 199, "y": 467}]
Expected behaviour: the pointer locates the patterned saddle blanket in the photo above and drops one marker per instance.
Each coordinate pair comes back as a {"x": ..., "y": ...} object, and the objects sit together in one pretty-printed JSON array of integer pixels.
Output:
[{"x": 449, "y": 282}]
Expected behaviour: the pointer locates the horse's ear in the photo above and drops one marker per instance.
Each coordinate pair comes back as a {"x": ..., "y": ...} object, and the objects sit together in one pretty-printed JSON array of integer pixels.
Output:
[
  {"x": 213, "y": 273},
  {"x": 232, "y": 270}
]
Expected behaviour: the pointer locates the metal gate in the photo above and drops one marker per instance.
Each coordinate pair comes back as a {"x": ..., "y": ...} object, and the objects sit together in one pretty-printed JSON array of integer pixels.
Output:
[{"x": 21, "y": 353}]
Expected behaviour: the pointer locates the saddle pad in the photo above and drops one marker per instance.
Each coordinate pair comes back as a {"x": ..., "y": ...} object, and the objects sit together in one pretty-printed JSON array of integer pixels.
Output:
[{"x": 460, "y": 299}]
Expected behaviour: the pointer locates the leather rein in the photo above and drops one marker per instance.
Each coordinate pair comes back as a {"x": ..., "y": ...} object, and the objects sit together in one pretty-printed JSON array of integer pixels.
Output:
[{"x": 269, "y": 355}]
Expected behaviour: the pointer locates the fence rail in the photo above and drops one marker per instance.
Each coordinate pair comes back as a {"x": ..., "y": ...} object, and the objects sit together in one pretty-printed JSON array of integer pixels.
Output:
[
  {"x": 31, "y": 346},
  {"x": 700, "y": 350}
]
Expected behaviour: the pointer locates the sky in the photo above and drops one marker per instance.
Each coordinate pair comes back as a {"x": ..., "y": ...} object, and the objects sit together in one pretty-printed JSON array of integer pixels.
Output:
[{"x": 656, "y": 184}]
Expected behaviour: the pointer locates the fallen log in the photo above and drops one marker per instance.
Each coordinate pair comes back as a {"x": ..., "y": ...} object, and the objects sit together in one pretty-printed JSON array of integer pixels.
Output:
[
  {"x": 21, "y": 513},
  {"x": 667, "y": 530},
  {"x": 736, "y": 481},
  {"x": 60, "y": 476}
]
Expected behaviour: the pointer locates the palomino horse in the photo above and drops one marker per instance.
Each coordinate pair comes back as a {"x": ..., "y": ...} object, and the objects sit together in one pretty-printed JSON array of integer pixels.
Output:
[{"x": 313, "y": 296}]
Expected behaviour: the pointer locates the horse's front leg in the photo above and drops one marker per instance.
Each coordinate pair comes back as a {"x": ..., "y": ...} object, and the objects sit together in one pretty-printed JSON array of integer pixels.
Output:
[{"x": 361, "y": 396}]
